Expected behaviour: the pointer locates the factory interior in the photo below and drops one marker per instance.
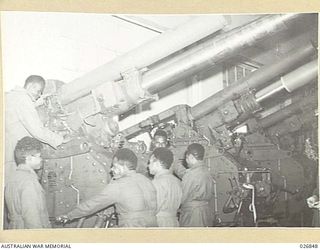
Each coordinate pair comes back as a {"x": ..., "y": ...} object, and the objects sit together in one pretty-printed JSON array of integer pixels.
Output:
[{"x": 243, "y": 86}]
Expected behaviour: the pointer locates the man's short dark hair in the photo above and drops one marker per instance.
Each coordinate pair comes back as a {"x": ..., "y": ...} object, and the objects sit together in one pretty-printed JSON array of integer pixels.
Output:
[
  {"x": 164, "y": 155},
  {"x": 25, "y": 147},
  {"x": 127, "y": 156},
  {"x": 161, "y": 132},
  {"x": 197, "y": 150},
  {"x": 34, "y": 79}
]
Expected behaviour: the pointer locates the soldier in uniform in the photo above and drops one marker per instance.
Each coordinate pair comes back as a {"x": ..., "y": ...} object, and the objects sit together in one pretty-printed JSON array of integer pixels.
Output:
[
  {"x": 24, "y": 195},
  {"x": 132, "y": 193},
  {"x": 22, "y": 119},
  {"x": 197, "y": 190},
  {"x": 159, "y": 140},
  {"x": 168, "y": 187}
]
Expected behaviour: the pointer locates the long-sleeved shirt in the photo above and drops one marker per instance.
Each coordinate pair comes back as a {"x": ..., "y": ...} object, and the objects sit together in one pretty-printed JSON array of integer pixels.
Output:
[
  {"x": 25, "y": 201},
  {"x": 134, "y": 197},
  {"x": 197, "y": 192},
  {"x": 169, "y": 194},
  {"x": 22, "y": 119},
  {"x": 316, "y": 212}
]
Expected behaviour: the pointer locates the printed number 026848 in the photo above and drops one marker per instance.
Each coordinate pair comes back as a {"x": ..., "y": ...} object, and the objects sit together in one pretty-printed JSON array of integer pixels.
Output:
[{"x": 307, "y": 246}]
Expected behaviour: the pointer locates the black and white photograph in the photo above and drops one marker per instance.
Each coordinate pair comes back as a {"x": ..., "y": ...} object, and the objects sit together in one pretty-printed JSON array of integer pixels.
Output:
[{"x": 160, "y": 121}]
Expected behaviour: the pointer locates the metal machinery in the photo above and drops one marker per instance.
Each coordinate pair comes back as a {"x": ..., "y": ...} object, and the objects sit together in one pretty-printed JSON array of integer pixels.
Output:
[{"x": 262, "y": 176}]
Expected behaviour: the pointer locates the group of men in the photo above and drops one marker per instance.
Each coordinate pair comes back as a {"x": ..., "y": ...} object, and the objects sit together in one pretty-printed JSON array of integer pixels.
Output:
[
  {"x": 164, "y": 201},
  {"x": 139, "y": 201},
  {"x": 23, "y": 193}
]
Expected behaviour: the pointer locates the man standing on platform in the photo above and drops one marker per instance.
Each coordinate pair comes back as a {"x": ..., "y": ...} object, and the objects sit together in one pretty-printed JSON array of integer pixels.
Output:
[
  {"x": 197, "y": 189},
  {"x": 168, "y": 187},
  {"x": 22, "y": 119}
]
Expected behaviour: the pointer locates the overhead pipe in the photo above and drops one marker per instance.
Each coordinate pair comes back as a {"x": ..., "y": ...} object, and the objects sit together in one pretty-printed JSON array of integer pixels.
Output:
[
  {"x": 218, "y": 48},
  {"x": 146, "y": 54},
  {"x": 256, "y": 80}
]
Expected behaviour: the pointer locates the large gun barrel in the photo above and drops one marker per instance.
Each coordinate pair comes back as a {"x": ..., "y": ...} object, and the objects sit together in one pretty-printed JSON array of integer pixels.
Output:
[
  {"x": 148, "y": 53},
  {"x": 133, "y": 87},
  {"x": 290, "y": 81},
  {"x": 219, "y": 48},
  {"x": 256, "y": 80},
  {"x": 287, "y": 112}
]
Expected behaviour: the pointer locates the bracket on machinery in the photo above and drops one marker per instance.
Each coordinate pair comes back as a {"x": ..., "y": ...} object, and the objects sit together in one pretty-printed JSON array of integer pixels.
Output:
[
  {"x": 131, "y": 88},
  {"x": 234, "y": 200},
  {"x": 107, "y": 218},
  {"x": 119, "y": 97}
]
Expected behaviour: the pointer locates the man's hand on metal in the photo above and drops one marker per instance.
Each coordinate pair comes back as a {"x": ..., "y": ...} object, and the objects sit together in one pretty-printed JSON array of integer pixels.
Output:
[
  {"x": 41, "y": 100},
  {"x": 62, "y": 219},
  {"x": 316, "y": 205},
  {"x": 313, "y": 202}
]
